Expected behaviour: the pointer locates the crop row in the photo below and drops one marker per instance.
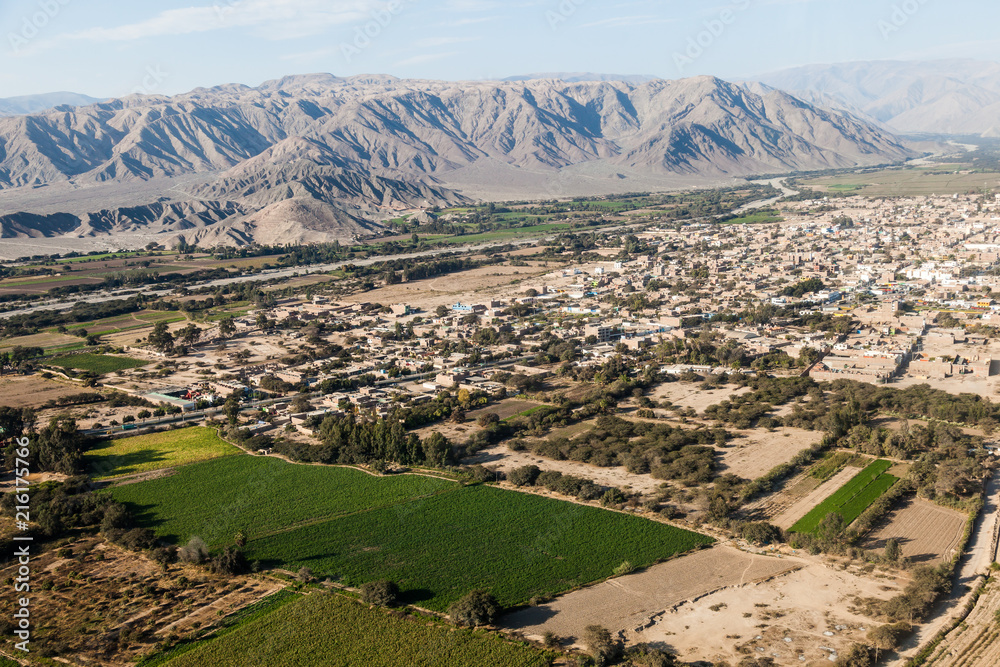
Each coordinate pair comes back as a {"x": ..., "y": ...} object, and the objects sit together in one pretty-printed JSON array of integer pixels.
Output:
[
  {"x": 326, "y": 629},
  {"x": 859, "y": 503},
  {"x": 844, "y": 495},
  {"x": 515, "y": 545},
  {"x": 216, "y": 499}
]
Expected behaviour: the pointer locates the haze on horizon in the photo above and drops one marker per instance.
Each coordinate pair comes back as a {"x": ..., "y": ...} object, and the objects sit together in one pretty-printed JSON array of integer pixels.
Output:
[{"x": 108, "y": 49}]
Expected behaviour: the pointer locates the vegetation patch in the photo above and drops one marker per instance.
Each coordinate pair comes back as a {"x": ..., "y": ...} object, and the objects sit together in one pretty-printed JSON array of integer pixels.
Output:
[
  {"x": 96, "y": 363},
  {"x": 142, "y": 453},
  {"x": 515, "y": 545},
  {"x": 851, "y": 499},
  {"x": 216, "y": 499},
  {"x": 327, "y": 629}
]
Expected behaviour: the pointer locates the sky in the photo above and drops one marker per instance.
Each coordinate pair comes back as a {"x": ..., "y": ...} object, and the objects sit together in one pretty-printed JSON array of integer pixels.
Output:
[{"x": 108, "y": 48}]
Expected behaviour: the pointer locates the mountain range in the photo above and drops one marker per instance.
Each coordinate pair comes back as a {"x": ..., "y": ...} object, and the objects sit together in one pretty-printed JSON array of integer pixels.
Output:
[
  {"x": 958, "y": 97},
  {"x": 317, "y": 156}
]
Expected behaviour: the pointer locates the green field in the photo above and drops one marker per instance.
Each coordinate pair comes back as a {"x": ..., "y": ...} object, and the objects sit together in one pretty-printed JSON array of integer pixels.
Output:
[
  {"x": 851, "y": 499},
  {"x": 97, "y": 363},
  {"x": 142, "y": 453},
  {"x": 327, "y": 629},
  {"x": 436, "y": 538},
  {"x": 216, "y": 499},
  {"x": 758, "y": 218}
]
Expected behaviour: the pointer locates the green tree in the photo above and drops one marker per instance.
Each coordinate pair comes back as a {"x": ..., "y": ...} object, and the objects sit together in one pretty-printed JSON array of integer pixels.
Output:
[
  {"x": 227, "y": 326},
  {"x": 161, "y": 339},
  {"x": 475, "y": 609}
]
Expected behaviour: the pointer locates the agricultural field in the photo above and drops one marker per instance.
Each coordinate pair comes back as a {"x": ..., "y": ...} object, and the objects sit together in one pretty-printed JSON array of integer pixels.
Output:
[
  {"x": 927, "y": 533},
  {"x": 417, "y": 530},
  {"x": 850, "y": 500},
  {"x": 155, "y": 451},
  {"x": 938, "y": 179},
  {"x": 97, "y": 363},
  {"x": 758, "y": 451},
  {"x": 504, "y": 409},
  {"x": 33, "y": 391},
  {"x": 976, "y": 641},
  {"x": 216, "y": 499},
  {"x": 807, "y": 493},
  {"x": 328, "y": 629},
  {"x": 515, "y": 545}
]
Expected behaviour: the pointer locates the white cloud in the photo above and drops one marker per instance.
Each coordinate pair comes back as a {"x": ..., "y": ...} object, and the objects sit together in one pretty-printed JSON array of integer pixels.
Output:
[
  {"x": 434, "y": 42},
  {"x": 424, "y": 58},
  {"x": 275, "y": 19}
]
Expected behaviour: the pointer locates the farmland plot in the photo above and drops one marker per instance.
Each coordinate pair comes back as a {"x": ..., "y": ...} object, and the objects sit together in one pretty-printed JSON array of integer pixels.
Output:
[
  {"x": 757, "y": 451},
  {"x": 799, "y": 509},
  {"x": 927, "y": 533},
  {"x": 850, "y": 500},
  {"x": 326, "y": 629}
]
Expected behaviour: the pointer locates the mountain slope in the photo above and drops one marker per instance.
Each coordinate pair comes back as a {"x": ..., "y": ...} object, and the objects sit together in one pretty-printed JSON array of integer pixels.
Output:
[
  {"x": 941, "y": 97},
  {"x": 334, "y": 155},
  {"x": 25, "y": 104}
]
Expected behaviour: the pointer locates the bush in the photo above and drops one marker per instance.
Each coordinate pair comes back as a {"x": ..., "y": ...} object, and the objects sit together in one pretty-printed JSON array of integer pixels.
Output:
[
  {"x": 602, "y": 648},
  {"x": 475, "y": 609},
  {"x": 524, "y": 476},
  {"x": 384, "y": 593}
]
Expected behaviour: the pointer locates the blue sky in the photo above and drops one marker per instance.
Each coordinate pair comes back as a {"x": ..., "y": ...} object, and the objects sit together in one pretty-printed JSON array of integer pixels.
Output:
[{"x": 110, "y": 47}]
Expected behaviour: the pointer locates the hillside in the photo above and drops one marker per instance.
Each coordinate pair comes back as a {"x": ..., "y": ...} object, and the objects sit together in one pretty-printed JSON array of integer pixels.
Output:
[{"x": 352, "y": 151}]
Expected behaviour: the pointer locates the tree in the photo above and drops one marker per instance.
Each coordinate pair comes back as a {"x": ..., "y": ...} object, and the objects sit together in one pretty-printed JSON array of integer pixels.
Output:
[
  {"x": 475, "y": 609},
  {"x": 603, "y": 649},
  {"x": 231, "y": 408},
  {"x": 441, "y": 310},
  {"x": 437, "y": 449},
  {"x": 524, "y": 476},
  {"x": 227, "y": 326},
  {"x": 190, "y": 334},
  {"x": 488, "y": 419},
  {"x": 892, "y": 550},
  {"x": 161, "y": 339},
  {"x": 383, "y": 593}
]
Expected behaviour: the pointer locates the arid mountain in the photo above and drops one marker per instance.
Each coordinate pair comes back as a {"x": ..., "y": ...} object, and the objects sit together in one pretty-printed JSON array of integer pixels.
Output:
[
  {"x": 938, "y": 97},
  {"x": 15, "y": 106},
  {"x": 352, "y": 151}
]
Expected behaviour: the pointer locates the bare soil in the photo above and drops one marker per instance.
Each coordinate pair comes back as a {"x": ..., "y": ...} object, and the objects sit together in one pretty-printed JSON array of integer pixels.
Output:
[
  {"x": 758, "y": 451},
  {"x": 927, "y": 533},
  {"x": 33, "y": 391}
]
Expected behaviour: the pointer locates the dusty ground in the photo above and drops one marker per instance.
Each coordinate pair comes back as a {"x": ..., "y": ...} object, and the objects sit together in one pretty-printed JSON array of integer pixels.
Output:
[
  {"x": 39, "y": 340},
  {"x": 927, "y": 533},
  {"x": 803, "y": 617},
  {"x": 759, "y": 450},
  {"x": 720, "y": 604},
  {"x": 474, "y": 285},
  {"x": 800, "y": 507},
  {"x": 505, "y": 460},
  {"x": 33, "y": 391},
  {"x": 690, "y": 395},
  {"x": 100, "y": 592},
  {"x": 626, "y": 604}
]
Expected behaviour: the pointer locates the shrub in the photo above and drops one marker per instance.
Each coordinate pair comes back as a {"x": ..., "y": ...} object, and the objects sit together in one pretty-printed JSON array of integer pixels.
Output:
[
  {"x": 384, "y": 593},
  {"x": 476, "y": 608},
  {"x": 602, "y": 648},
  {"x": 524, "y": 476}
]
